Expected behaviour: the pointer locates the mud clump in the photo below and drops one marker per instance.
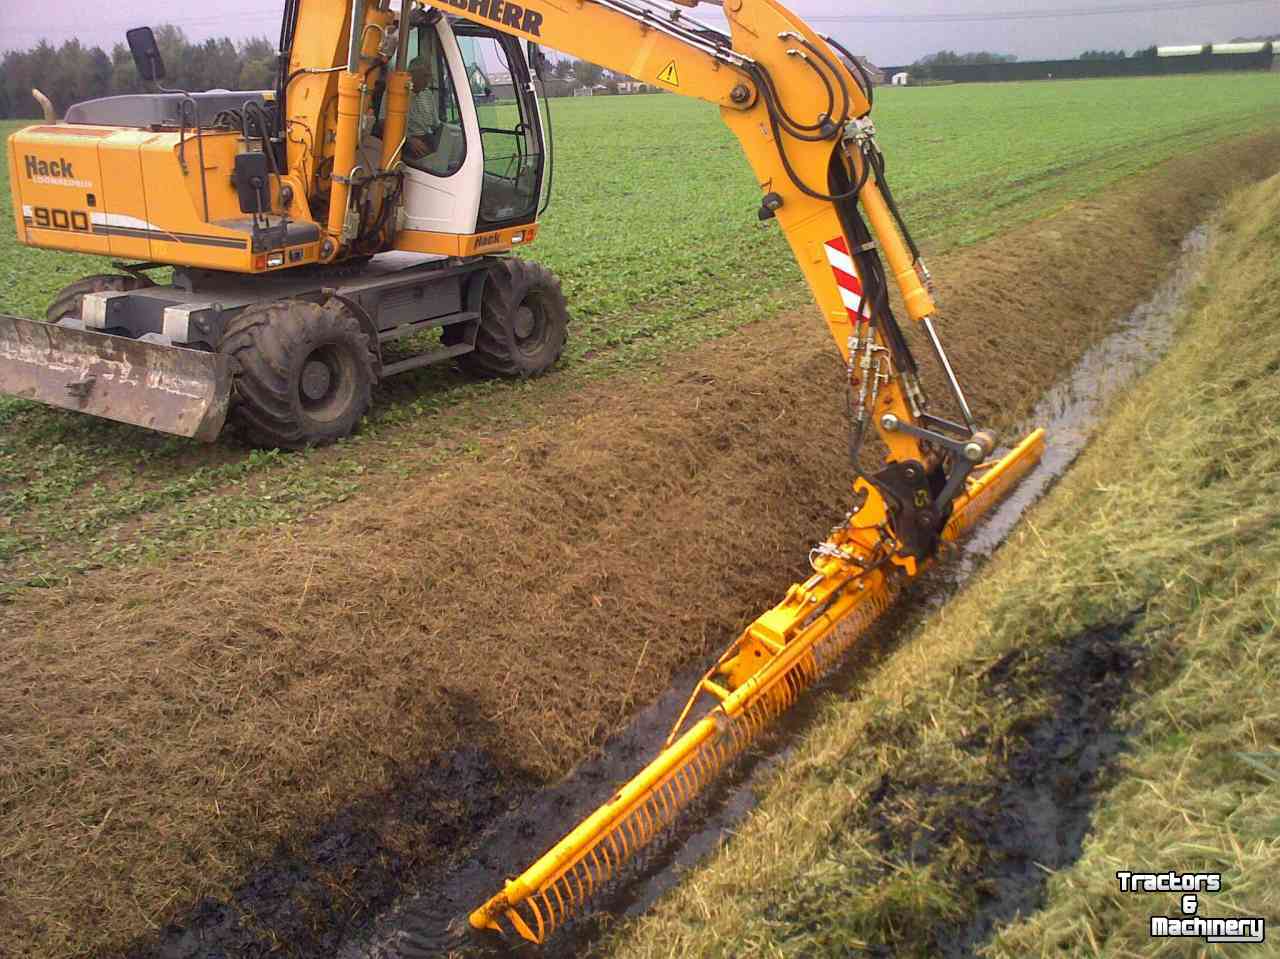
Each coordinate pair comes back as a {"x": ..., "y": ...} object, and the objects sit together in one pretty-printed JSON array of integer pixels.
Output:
[
  {"x": 999, "y": 835},
  {"x": 304, "y": 900}
]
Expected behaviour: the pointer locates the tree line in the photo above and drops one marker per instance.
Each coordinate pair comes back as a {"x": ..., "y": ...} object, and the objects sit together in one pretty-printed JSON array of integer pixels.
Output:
[
  {"x": 949, "y": 58},
  {"x": 73, "y": 72}
]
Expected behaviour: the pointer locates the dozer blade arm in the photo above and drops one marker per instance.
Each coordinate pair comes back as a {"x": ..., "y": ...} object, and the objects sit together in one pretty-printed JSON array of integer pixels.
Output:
[{"x": 165, "y": 388}]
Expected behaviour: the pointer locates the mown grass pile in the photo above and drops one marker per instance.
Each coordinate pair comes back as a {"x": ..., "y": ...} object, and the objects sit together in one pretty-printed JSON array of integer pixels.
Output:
[{"x": 1120, "y": 651}]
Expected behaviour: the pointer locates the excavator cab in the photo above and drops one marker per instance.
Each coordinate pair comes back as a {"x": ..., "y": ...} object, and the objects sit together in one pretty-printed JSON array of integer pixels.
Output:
[{"x": 474, "y": 151}]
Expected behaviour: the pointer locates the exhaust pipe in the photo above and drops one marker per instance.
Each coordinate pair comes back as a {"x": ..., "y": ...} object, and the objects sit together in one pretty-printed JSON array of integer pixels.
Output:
[{"x": 50, "y": 115}]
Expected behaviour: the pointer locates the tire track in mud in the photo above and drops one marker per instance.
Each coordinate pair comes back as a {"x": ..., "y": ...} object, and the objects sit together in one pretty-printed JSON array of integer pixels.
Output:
[{"x": 283, "y": 734}]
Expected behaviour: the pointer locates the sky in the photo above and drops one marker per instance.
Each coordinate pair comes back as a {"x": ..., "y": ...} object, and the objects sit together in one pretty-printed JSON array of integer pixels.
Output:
[{"x": 889, "y": 32}]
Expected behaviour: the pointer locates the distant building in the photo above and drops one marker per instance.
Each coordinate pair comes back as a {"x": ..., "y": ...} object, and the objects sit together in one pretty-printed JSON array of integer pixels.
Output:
[
  {"x": 1256, "y": 46},
  {"x": 901, "y": 79},
  {"x": 1251, "y": 48},
  {"x": 502, "y": 85},
  {"x": 877, "y": 76}
]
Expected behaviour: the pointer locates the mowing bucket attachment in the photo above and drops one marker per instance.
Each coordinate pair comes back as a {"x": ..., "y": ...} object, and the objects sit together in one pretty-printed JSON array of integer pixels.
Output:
[
  {"x": 165, "y": 388},
  {"x": 761, "y": 675}
]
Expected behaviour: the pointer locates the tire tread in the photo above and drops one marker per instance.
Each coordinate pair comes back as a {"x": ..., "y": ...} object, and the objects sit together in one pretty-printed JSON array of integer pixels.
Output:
[
  {"x": 510, "y": 281},
  {"x": 265, "y": 340}
]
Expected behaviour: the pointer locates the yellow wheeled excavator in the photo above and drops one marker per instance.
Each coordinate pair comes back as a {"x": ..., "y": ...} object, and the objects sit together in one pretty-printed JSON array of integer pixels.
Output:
[
  {"x": 378, "y": 191},
  {"x": 341, "y": 228}
]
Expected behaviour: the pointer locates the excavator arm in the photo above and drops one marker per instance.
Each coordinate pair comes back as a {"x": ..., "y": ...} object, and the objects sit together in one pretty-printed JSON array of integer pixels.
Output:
[
  {"x": 800, "y": 107},
  {"x": 801, "y": 113}
]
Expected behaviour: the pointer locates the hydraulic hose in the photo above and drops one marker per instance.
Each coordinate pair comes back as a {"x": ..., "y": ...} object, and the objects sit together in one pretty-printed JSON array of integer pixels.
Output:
[
  {"x": 875, "y": 285},
  {"x": 835, "y": 71},
  {"x": 825, "y": 119},
  {"x": 765, "y": 82},
  {"x": 771, "y": 107},
  {"x": 868, "y": 88}
]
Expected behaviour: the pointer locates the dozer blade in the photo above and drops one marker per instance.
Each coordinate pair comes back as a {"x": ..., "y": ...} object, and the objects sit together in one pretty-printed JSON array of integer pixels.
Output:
[
  {"x": 794, "y": 644},
  {"x": 164, "y": 388}
]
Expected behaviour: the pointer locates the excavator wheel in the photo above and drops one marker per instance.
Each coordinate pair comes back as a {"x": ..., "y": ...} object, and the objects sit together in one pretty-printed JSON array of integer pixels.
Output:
[
  {"x": 524, "y": 322},
  {"x": 306, "y": 373},
  {"x": 65, "y": 308}
]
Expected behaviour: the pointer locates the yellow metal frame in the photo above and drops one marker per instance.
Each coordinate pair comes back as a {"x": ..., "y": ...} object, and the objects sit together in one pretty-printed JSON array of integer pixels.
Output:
[
  {"x": 153, "y": 204},
  {"x": 782, "y": 653},
  {"x": 763, "y": 31},
  {"x": 475, "y": 244}
]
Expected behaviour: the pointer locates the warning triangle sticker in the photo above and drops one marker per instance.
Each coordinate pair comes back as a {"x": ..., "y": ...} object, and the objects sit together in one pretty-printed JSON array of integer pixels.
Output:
[{"x": 670, "y": 75}]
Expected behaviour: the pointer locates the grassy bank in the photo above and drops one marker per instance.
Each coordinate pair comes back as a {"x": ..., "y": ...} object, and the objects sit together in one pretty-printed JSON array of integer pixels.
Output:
[
  {"x": 678, "y": 259},
  {"x": 1103, "y": 697}
]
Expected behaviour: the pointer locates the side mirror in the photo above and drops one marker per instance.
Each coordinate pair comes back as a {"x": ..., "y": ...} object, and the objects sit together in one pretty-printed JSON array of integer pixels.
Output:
[{"x": 146, "y": 54}]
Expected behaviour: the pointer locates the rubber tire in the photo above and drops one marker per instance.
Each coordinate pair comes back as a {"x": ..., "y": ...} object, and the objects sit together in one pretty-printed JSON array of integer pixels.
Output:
[
  {"x": 272, "y": 342},
  {"x": 67, "y": 304},
  {"x": 499, "y": 352}
]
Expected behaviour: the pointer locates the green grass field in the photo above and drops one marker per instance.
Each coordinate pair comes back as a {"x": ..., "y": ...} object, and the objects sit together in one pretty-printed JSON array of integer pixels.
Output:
[{"x": 653, "y": 230}]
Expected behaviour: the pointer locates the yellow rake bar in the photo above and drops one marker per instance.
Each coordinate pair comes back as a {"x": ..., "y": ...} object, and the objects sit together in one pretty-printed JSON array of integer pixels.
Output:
[{"x": 795, "y": 644}]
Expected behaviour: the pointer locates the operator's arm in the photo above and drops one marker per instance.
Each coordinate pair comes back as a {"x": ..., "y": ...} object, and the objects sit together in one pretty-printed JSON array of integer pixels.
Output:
[
  {"x": 801, "y": 116},
  {"x": 422, "y": 131}
]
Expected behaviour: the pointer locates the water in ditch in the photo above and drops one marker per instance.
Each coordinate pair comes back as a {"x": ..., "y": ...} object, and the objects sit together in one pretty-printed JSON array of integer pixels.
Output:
[{"x": 432, "y": 922}]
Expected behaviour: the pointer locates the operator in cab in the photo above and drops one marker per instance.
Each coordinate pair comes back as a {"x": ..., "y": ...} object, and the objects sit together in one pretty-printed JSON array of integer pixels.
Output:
[{"x": 422, "y": 131}]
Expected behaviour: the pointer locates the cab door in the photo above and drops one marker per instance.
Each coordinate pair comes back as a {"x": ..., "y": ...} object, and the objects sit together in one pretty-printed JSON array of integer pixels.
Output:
[
  {"x": 443, "y": 163},
  {"x": 510, "y": 127},
  {"x": 474, "y": 152}
]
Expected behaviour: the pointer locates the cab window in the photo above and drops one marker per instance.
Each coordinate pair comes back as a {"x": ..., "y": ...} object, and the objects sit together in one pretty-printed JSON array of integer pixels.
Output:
[
  {"x": 435, "y": 141},
  {"x": 509, "y": 129}
]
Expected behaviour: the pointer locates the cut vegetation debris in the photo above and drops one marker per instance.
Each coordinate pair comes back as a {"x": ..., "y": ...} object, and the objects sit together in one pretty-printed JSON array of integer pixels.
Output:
[
  {"x": 266, "y": 742},
  {"x": 1104, "y": 697}
]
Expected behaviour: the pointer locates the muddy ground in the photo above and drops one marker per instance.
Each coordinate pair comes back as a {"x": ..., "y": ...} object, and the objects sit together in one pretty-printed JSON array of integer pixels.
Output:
[
  {"x": 257, "y": 748},
  {"x": 1006, "y": 834}
]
